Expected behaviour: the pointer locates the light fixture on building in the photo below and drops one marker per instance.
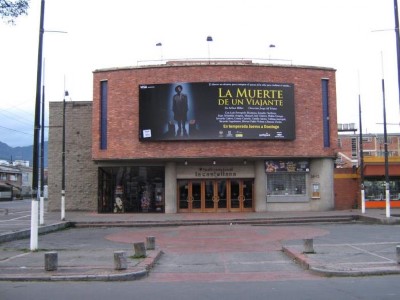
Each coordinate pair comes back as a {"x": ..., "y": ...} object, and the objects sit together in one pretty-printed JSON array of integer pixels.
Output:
[
  {"x": 209, "y": 39},
  {"x": 271, "y": 46},
  {"x": 186, "y": 162},
  {"x": 245, "y": 162},
  {"x": 214, "y": 162},
  {"x": 161, "y": 53}
]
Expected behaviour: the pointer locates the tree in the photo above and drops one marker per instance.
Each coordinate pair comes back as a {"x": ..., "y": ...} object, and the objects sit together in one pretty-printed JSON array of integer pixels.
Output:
[{"x": 11, "y": 9}]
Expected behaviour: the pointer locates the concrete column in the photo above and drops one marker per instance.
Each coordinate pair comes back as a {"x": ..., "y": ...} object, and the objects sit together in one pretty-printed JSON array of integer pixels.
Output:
[
  {"x": 260, "y": 190},
  {"x": 170, "y": 188},
  {"x": 322, "y": 171}
]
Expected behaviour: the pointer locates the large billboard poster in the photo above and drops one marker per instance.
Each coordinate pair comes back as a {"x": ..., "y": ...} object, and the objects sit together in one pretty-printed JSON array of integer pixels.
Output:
[{"x": 216, "y": 111}]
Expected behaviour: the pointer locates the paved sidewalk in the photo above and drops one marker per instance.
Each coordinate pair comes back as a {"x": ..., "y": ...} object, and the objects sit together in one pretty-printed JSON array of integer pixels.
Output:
[{"x": 82, "y": 259}]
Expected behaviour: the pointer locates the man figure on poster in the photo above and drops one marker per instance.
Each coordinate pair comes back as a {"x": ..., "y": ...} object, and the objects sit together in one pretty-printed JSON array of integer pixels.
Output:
[{"x": 180, "y": 109}]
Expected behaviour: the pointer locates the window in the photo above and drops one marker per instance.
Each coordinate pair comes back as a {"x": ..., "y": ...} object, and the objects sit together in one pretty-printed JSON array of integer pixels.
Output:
[
  {"x": 131, "y": 189},
  {"x": 286, "y": 184},
  {"x": 103, "y": 114},
  {"x": 375, "y": 189},
  {"x": 353, "y": 147},
  {"x": 366, "y": 139},
  {"x": 325, "y": 112},
  {"x": 339, "y": 143}
]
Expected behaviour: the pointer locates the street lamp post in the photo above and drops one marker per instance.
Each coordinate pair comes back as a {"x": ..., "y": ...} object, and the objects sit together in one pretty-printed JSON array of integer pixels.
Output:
[
  {"x": 396, "y": 30},
  {"x": 35, "y": 158},
  {"x": 387, "y": 191},
  {"x": 63, "y": 162},
  {"x": 161, "y": 53},
  {"x": 361, "y": 158},
  {"x": 209, "y": 40},
  {"x": 271, "y": 46},
  {"x": 41, "y": 210}
]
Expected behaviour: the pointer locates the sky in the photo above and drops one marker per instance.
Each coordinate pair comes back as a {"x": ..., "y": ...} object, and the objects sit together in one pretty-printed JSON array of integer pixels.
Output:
[{"x": 355, "y": 37}]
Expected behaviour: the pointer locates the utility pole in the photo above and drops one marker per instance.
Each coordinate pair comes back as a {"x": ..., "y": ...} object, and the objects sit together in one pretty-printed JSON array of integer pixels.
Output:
[
  {"x": 387, "y": 190},
  {"x": 361, "y": 158},
  {"x": 63, "y": 161},
  {"x": 41, "y": 210},
  {"x": 35, "y": 169},
  {"x": 396, "y": 30}
]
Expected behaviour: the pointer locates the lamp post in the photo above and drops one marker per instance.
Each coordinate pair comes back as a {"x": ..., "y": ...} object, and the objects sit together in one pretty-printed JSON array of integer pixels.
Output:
[
  {"x": 35, "y": 154},
  {"x": 361, "y": 158},
  {"x": 209, "y": 40},
  {"x": 396, "y": 30},
  {"x": 161, "y": 53},
  {"x": 271, "y": 46},
  {"x": 387, "y": 191},
  {"x": 63, "y": 162},
  {"x": 41, "y": 210}
]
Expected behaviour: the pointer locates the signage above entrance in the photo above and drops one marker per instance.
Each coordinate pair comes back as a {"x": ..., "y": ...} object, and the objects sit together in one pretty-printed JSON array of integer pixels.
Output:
[
  {"x": 216, "y": 111},
  {"x": 287, "y": 166},
  {"x": 195, "y": 172}
]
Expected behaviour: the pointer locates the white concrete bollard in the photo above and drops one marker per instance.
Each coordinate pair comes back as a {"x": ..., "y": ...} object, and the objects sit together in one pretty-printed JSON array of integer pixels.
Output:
[
  {"x": 398, "y": 253},
  {"x": 140, "y": 250},
  {"x": 308, "y": 246},
  {"x": 51, "y": 261},
  {"x": 120, "y": 260},
  {"x": 150, "y": 243}
]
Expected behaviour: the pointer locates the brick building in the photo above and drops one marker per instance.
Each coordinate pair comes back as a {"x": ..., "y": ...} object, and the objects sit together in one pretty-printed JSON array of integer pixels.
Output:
[
  {"x": 254, "y": 138},
  {"x": 373, "y": 168}
]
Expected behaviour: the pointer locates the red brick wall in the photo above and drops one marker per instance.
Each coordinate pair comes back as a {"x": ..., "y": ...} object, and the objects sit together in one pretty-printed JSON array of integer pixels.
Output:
[
  {"x": 123, "y": 131},
  {"x": 347, "y": 189}
]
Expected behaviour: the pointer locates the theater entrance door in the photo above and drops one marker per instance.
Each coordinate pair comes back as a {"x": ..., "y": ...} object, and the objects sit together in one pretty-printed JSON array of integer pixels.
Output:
[{"x": 215, "y": 195}]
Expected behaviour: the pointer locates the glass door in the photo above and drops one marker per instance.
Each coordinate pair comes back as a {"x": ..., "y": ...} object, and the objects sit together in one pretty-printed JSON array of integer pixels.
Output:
[
  {"x": 222, "y": 197},
  {"x": 195, "y": 196},
  {"x": 209, "y": 195},
  {"x": 248, "y": 194},
  {"x": 235, "y": 195},
  {"x": 183, "y": 195}
]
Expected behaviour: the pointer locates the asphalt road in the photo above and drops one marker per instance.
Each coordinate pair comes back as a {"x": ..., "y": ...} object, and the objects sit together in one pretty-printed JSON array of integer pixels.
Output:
[
  {"x": 15, "y": 215},
  {"x": 209, "y": 262},
  {"x": 366, "y": 288}
]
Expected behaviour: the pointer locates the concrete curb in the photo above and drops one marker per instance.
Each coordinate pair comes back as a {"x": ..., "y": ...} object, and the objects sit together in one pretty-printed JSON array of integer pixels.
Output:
[
  {"x": 23, "y": 234},
  {"x": 255, "y": 221},
  {"x": 143, "y": 269},
  {"x": 308, "y": 264}
]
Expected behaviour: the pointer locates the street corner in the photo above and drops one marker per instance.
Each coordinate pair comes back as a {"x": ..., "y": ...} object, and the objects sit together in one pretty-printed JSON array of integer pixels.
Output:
[
  {"x": 76, "y": 266},
  {"x": 345, "y": 260}
]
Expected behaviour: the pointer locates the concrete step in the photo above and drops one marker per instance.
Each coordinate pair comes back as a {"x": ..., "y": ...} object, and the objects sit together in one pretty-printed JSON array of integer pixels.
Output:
[{"x": 269, "y": 221}]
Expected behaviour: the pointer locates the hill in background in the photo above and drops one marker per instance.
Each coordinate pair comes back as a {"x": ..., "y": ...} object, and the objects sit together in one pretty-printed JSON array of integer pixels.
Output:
[{"x": 20, "y": 153}]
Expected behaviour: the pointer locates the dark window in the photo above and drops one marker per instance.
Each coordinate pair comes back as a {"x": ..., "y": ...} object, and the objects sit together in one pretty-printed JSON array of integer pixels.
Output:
[
  {"x": 325, "y": 112},
  {"x": 283, "y": 184},
  {"x": 131, "y": 189},
  {"x": 103, "y": 114}
]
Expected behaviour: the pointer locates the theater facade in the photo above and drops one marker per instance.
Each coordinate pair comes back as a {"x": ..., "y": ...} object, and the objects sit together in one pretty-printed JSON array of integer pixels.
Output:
[{"x": 191, "y": 137}]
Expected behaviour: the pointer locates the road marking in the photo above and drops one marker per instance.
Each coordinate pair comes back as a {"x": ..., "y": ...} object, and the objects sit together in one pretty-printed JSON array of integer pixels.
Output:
[
  {"x": 14, "y": 219},
  {"x": 370, "y": 253},
  {"x": 15, "y": 256}
]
